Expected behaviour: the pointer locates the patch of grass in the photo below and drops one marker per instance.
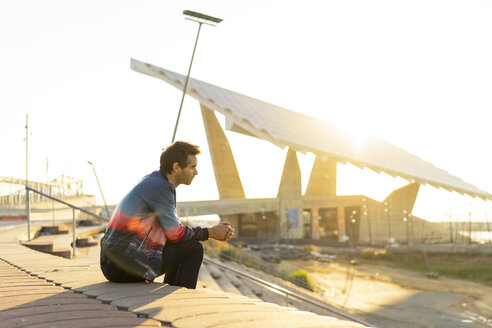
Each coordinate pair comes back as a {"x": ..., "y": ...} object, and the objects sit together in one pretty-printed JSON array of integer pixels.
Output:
[
  {"x": 477, "y": 274},
  {"x": 301, "y": 279},
  {"x": 228, "y": 253}
]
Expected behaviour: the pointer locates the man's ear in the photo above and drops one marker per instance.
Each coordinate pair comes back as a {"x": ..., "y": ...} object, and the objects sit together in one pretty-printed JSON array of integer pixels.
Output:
[{"x": 176, "y": 167}]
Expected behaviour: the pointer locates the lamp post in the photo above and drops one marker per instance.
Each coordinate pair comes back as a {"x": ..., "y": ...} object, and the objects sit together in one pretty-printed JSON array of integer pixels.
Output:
[
  {"x": 100, "y": 189},
  {"x": 365, "y": 212},
  {"x": 387, "y": 207},
  {"x": 200, "y": 19},
  {"x": 28, "y": 205},
  {"x": 405, "y": 219}
]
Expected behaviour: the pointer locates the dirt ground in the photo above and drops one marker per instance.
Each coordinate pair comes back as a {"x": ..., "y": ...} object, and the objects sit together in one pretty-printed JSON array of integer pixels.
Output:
[{"x": 388, "y": 297}]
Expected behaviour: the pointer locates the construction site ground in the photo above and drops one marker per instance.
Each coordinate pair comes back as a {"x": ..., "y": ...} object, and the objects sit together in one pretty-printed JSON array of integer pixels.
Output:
[{"x": 390, "y": 297}]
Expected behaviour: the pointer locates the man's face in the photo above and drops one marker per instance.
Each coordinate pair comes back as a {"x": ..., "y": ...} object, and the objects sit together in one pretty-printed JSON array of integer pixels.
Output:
[{"x": 186, "y": 174}]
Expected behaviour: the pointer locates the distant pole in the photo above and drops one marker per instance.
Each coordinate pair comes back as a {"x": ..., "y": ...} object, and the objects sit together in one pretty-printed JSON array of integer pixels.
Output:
[
  {"x": 74, "y": 239},
  {"x": 366, "y": 215},
  {"x": 450, "y": 226},
  {"x": 27, "y": 145},
  {"x": 49, "y": 186},
  {"x": 488, "y": 228},
  {"x": 406, "y": 220},
  {"x": 200, "y": 19},
  {"x": 186, "y": 84},
  {"x": 388, "y": 217},
  {"x": 469, "y": 226},
  {"x": 100, "y": 189},
  {"x": 52, "y": 206},
  {"x": 410, "y": 224},
  {"x": 28, "y": 207},
  {"x": 462, "y": 227}
]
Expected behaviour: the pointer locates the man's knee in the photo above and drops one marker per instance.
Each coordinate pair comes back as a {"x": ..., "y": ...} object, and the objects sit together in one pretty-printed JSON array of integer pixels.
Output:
[{"x": 196, "y": 249}]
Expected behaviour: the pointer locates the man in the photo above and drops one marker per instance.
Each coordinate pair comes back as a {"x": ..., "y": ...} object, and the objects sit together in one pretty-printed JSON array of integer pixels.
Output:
[{"x": 145, "y": 238}]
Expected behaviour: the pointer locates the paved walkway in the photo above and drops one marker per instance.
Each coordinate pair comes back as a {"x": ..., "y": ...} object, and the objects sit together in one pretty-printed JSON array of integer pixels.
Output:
[{"x": 41, "y": 290}]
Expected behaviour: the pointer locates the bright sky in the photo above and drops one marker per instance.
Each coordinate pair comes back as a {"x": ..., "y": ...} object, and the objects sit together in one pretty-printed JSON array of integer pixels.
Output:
[{"x": 416, "y": 73}]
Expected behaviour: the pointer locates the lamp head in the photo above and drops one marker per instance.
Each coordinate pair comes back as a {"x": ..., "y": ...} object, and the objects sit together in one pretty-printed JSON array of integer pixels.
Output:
[{"x": 201, "y": 18}]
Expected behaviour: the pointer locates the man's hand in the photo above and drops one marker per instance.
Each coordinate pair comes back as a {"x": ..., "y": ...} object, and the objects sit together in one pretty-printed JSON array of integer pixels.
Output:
[{"x": 222, "y": 231}]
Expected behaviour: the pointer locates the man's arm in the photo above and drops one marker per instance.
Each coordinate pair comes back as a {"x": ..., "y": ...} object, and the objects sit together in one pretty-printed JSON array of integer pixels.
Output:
[
  {"x": 163, "y": 205},
  {"x": 222, "y": 231}
]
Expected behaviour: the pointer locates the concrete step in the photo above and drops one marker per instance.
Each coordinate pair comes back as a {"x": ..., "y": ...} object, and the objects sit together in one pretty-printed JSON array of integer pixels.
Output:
[
  {"x": 205, "y": 279},
  {"x": 226, "y": 284},
  {"x": 47, "y": 244},
  {"x": 85, "y": 242},
  {"x": 57, "y": 241},
  {"x": 243, "y": 288},
  {"x": 45, "y": 305},
  {"x": 247, "y": 290},
  {"x": 65, "y": 253},
  {"x": 51, "y": 230},
  {"x": 39, "y": 245},
  {"x": 168, "y": 305}
]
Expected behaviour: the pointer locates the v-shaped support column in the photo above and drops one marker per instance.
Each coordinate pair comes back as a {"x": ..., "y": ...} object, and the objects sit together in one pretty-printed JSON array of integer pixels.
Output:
[
  {"x": 323, "y": 179},
  {"x": 290, "y": 196},
  {"x": 323, "y": 182},
  {"x": 398, "y": 207},
  {"x": 226, "y": 175}
]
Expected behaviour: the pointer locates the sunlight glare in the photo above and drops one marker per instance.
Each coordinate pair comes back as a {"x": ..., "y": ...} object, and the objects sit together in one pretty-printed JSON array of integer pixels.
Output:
[{"x": 355, "y": 181}]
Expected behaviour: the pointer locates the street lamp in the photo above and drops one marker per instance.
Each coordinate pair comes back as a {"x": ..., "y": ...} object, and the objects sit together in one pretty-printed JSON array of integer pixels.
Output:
[
  {"x": 28, "y": 205},
  {"x": 200, "y": 19},
  {"x": 97, "y": 180}
]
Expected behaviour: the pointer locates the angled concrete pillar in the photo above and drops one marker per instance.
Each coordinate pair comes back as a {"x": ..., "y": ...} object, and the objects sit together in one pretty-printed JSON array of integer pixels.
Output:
[
  {"x": 398, "y": 207},
  {"x": 290, "y": 184},
  {"x": 404, "y": 197},
  {"x": 342, "y": 232},
  {"x": 290, "y": 196},
  {"x": 226, "y": 175},
  {"x": 322, "y": 182},
  {"x": 323, "y": 179}
]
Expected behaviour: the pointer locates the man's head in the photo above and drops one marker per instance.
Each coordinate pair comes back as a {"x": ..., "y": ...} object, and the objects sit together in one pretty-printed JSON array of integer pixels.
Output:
[{"x": 178, "y": 162}]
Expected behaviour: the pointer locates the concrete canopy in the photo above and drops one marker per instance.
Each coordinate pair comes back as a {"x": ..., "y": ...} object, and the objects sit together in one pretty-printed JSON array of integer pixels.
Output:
[{"x": 284, "y": 127}]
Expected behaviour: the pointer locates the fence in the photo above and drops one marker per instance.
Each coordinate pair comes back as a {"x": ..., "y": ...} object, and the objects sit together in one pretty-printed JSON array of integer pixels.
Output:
[{"x": 73, "y": 207}]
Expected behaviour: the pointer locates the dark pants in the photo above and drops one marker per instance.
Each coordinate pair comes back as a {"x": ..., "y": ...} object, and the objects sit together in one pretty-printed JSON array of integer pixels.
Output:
[{"x": 181, "y": 264}]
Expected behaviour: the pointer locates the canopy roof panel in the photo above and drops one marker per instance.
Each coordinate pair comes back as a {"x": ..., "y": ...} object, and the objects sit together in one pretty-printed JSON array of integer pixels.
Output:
[{"x": 299, "y": 132}]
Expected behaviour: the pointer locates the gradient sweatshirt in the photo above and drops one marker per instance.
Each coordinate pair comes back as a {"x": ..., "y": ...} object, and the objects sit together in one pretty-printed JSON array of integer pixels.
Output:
[{"x": 141, "y": 225}]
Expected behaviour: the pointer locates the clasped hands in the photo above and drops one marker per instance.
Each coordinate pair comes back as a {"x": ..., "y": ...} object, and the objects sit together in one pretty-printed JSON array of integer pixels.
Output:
[{"x": 221, "y": 231}]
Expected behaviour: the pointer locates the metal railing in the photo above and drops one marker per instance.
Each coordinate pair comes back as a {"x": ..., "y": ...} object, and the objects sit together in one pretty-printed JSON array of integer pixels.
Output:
[
  {"x": 73, "y": 207},
  {"x": 240, "y": 257},
  {"x": 289, "y": 293}
]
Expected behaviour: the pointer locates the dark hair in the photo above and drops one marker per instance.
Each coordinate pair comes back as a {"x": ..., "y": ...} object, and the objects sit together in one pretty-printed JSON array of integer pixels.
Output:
[{"x": 177, "y": 152}]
